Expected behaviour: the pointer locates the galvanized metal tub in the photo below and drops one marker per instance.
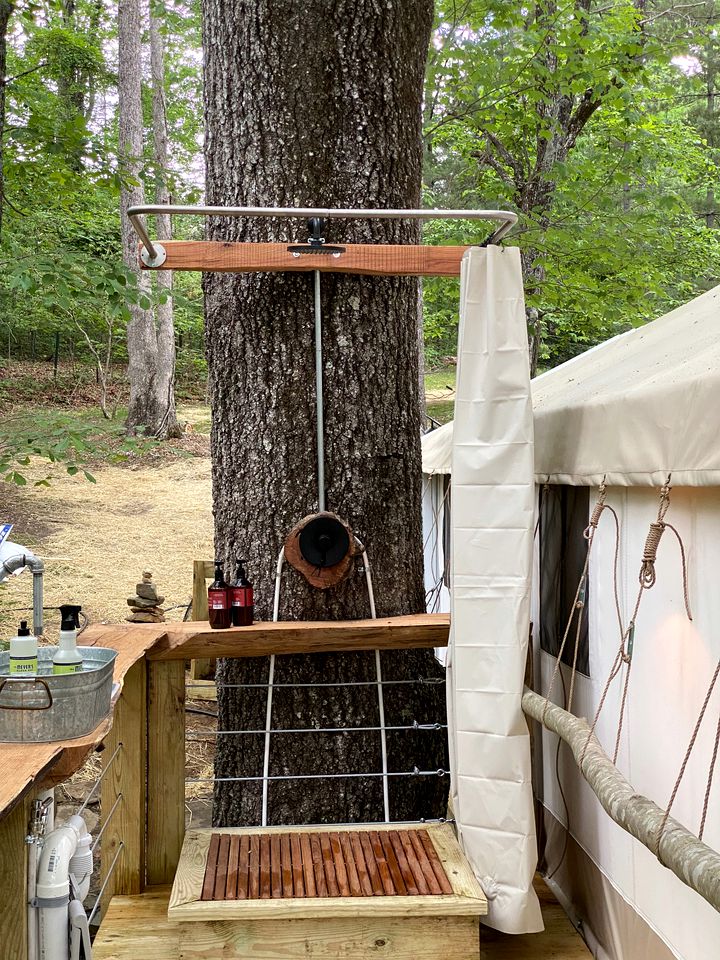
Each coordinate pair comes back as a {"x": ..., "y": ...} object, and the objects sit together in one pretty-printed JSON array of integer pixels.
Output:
[{"x": 43, "y": 707}]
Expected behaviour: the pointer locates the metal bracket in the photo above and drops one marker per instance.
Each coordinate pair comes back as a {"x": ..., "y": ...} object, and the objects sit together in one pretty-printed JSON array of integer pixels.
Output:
[{"x": 154, "y": 261}]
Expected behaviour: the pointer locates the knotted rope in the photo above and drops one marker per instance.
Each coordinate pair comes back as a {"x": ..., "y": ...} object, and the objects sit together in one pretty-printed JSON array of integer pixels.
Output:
[{"x": 647, "y": 578}]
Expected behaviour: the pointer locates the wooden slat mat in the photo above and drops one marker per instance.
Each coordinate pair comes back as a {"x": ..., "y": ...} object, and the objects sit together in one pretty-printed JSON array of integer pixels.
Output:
[{"x": 382, "y": 863}]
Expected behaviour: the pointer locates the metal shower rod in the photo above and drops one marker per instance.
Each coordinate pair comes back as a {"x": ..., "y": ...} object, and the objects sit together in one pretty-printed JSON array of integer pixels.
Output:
[{"x": 137, "y": 214}]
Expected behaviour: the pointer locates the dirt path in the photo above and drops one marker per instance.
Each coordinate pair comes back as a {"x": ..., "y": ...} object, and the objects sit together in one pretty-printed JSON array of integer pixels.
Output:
[{"x": 96, "y": 539}]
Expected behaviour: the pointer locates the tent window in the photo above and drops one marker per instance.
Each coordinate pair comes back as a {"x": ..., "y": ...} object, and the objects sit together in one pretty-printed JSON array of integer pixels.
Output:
[{"x": 564, "y": 513}]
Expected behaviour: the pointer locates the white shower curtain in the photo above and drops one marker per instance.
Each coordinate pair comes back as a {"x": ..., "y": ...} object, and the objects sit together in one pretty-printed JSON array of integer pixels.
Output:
[{"x": 492, "y": 534}]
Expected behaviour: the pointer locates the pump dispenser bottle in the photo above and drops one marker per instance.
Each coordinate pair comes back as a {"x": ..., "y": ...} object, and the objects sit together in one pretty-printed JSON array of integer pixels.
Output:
[
  {"x": 219, "y": 600},
  {"x": 68, "y": 659},
  {"x": 23, "y": 652},
  {"x": 241, "y": 599}
]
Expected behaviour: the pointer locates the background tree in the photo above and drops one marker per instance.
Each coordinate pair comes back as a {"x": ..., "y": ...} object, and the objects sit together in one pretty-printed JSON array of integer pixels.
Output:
[
  {"x": 562, "y": 112},
  {"x": 303, "y": 108}
]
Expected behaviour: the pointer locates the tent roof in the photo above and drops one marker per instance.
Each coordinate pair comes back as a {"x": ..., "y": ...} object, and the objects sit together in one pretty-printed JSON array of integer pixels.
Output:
[{"x": 633, "y": 410}]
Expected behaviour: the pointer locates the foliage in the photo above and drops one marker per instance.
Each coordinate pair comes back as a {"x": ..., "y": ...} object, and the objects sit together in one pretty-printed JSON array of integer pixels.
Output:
[{"x": 584, "y": 119}]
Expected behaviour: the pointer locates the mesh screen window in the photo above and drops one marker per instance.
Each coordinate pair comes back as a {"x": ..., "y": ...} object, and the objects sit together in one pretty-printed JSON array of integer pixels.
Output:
[{"x": 564, "y": 515}]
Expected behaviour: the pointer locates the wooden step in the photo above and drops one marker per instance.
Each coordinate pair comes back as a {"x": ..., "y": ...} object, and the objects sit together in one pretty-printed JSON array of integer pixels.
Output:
[
  {"x": 137, "y": 928},
  {"x": 367, "y": 892}
]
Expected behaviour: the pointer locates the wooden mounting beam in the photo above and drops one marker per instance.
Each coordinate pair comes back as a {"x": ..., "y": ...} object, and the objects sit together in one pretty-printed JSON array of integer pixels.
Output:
[
  {"x": 368, "y": 259},
  {"x": 189, "y": 640}
]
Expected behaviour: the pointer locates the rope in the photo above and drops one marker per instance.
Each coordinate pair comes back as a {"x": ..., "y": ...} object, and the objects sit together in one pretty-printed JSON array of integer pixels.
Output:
[
  {"x": 647, "y": 578},
  {"x": 686, "y": 758},
  {"x": 708, "y": 788}
]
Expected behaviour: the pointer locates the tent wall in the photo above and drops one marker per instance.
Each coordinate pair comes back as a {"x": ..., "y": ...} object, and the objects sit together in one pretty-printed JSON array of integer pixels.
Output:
[{"x": 673, "y": 662}]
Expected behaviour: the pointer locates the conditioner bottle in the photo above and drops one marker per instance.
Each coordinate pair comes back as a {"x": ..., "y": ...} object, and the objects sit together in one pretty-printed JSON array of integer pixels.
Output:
[
  {"x": 219, "y": 600},
  {"x": 241, "y": 599}
]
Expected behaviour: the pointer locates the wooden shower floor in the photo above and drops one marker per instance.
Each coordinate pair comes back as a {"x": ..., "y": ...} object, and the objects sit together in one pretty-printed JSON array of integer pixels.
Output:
[{"x": 137, "y": 928}]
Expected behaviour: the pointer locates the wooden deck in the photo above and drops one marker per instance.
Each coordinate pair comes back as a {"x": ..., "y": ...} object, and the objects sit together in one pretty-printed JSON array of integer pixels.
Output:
[{"x": 137, "y": 928}]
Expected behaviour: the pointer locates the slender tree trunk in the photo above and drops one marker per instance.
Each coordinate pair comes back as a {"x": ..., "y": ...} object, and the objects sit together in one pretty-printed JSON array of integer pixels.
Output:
[
  {"x": 165, "y": 326},
  {"x": 6, "y": 9},
  {"x": 141, "y": 336},
  {"x": 311, "y": 109}
]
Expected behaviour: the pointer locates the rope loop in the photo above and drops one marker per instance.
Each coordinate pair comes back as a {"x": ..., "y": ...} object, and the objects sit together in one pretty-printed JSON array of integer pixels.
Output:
[
  {"x": 597, "y": 511},
  {"x": 647, "y": 569}
]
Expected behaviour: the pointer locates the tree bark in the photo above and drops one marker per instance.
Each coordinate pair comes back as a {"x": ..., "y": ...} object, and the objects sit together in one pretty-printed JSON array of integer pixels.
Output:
[
  {"x": 310, "y": 107},
  {"x": 6, "y": 9},
  {"x": 165, "y": 324}
]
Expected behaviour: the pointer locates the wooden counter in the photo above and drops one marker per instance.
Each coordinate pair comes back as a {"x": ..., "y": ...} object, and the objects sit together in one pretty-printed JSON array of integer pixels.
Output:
[{"x": 26, "y": 766}]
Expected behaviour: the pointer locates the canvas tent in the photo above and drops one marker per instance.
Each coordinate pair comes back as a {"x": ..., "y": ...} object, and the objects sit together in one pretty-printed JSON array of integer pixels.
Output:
[{"x": 635, "y": 410}]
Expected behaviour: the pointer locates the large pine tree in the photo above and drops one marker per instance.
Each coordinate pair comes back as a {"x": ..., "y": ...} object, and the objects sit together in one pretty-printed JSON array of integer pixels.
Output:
[{"x": 319, "y": 105}]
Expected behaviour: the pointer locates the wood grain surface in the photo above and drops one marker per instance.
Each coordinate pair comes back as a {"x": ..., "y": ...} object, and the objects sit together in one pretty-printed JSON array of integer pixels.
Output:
[
  {"x": 361, "y": 871},
  {"x": 367, "y": 259}
]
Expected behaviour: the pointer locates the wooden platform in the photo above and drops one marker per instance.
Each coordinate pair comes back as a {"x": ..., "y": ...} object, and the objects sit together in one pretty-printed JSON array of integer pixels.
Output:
[
  {"x": 137, "y": 928},
  {"x": 460, "y": 894},
  {"x": 365, "y": 892}
]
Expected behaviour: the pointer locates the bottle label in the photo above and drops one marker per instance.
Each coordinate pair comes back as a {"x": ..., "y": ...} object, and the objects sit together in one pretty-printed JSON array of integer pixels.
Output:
[
  {"x": 63, "y": 668},
  {"x": 240, "y": 597},
  {"x": 23, "y": 665},
  {"x": 217, "y": 603}
]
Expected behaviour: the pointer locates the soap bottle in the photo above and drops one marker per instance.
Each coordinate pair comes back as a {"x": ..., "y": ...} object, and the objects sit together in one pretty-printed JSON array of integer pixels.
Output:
[
  {"x": 241, "y": 599},
  {"x": 219, "y": 600},
  {"x": 23, "y": 652},
  {"x": 68, "y": 658}
]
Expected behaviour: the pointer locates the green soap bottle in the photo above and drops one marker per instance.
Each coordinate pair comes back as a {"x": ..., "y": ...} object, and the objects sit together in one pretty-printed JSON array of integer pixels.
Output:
[
  {"x": 68, "y": 659},
  {"x": 23, "y": 652}
]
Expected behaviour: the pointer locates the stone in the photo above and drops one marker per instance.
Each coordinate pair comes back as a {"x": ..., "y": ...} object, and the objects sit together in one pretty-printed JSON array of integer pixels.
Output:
[
  {"x": 148, "y": 591},
  {"x": 147, "y": 576},
  {"x": 143, "y": 602},
  {"x": 146, "y": 617},
  {"x": 155, "y": 609}
]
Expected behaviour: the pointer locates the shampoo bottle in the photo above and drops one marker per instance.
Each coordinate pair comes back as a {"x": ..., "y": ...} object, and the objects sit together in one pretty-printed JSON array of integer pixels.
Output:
[
  {"x": 219, "y": 600},
  {"x": 241, "y": 599},
  {"x": 68, "y": 659},
  {"x": 23, "y": 652}
]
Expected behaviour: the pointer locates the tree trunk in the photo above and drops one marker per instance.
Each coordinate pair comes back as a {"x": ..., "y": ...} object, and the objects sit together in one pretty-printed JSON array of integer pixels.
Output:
[
  {"x": 150, "y": 368},
  {"x": 165, "y": 326},
  {"x": 311, "y": 109},
  {"x": 6, "y": 9}
]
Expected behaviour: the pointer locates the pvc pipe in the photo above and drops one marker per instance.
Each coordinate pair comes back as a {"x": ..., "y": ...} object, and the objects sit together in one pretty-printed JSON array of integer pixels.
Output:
[
  {"x": 68, "y": 844},
  {"x": 32, "y": 914}
]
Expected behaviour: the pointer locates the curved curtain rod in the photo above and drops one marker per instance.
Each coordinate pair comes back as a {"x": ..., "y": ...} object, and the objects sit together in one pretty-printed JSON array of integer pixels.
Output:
[{"x": 137, "y": 214}]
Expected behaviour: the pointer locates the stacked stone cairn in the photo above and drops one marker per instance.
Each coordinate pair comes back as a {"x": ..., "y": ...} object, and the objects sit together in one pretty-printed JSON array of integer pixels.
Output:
[{"x": 146, "y": 605}]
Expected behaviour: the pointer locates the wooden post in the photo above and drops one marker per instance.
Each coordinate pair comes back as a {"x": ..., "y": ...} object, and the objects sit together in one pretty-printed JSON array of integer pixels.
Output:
[
  {"x": 166, "y": 769},
  {"x": 13, "y": 870},
  {"x": 126, "y": 776},
  {"x": 202, "y": 570}
]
